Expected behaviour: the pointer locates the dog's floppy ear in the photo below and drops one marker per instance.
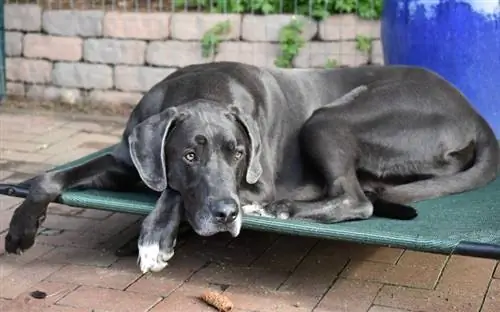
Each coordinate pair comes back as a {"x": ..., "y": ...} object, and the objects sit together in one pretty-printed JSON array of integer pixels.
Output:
[
  {"x": 254, "y": 170},
  {"x": 147, "y": 148}
]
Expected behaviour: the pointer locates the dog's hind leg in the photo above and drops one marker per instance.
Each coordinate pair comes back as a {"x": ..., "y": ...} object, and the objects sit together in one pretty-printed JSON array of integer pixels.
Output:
[
  {"x": 332, "y": 148},
  {"x": 159, "y": 232},
  {"x": 481, "y": 172},
  {"x": 45, "y": 188}
]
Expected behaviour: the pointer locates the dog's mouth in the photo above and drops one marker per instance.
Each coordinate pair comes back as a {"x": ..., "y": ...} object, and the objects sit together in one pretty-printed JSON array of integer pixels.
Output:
[{"x": 205, "y": 225}]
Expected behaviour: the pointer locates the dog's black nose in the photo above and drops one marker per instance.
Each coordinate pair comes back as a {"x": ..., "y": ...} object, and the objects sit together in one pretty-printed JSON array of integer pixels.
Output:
[{"x": 225, "y": 210}]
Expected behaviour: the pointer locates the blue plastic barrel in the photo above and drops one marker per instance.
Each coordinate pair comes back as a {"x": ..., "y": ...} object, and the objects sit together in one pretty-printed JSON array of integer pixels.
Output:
[{"x": 458, "y": 39}]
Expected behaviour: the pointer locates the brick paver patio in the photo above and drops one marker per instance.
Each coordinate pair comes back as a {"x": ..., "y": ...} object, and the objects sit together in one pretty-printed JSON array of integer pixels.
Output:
[{"x": 74, "y": 260}]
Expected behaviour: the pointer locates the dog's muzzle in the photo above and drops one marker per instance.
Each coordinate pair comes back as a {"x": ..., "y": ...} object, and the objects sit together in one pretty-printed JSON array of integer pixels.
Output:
[{"x": 225, "y": 211}]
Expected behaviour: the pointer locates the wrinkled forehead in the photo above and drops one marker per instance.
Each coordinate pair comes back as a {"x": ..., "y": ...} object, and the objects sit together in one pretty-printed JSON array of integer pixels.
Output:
[{"x": 213, "y": 126}]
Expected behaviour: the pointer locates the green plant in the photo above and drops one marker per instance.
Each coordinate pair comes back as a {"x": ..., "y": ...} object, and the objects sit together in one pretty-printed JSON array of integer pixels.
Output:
[
  {"x": 291, "y": 41},
  {"x": 317, "y": 9},
  {"x": 364, "y": 43},
  {"x": 213, "y": 37},
  {"x": 331, "y": 63}
]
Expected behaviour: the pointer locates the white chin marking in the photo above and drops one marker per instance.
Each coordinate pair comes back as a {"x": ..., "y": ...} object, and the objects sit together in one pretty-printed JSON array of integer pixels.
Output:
[
  {"x": 152, "y": 259},
  {"x": 256, "y": 210},
  {"x": 236, "y": 228}
]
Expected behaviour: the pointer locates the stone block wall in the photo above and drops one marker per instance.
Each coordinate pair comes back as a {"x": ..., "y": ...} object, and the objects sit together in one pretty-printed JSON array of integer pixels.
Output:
[{"x": 114, "y": 57}]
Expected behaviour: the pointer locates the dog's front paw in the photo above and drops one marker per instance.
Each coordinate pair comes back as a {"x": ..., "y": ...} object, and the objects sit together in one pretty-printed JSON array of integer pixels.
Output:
[
  {"x": 22, "y": 233},
  {"x": 152, "y": 259},
  {"x": 256, "y": 210},
  {"x": 281, "y": 209}
]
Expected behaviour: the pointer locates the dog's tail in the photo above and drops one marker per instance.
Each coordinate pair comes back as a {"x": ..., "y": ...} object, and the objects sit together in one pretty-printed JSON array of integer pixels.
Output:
[{"x": 483, "y": 171}]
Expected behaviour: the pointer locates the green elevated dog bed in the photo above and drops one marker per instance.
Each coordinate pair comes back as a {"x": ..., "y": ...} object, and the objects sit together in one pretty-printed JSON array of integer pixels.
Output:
[{"x": 467, "y": 223}]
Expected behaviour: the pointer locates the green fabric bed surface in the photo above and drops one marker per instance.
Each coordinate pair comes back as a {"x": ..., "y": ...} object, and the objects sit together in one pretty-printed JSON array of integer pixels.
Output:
[{"x": 441, "y": 225}]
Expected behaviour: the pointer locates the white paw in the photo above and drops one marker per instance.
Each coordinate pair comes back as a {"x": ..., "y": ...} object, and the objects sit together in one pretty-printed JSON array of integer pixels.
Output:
[
  {"x": 152, "y": 259},
  {"x": 283, "y": 215},
  {"x": 256, "y": 210}
]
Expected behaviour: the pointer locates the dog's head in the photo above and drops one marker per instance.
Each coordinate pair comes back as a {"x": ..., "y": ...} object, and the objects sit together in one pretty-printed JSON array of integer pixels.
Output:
[{"x": 204, "y": 152}]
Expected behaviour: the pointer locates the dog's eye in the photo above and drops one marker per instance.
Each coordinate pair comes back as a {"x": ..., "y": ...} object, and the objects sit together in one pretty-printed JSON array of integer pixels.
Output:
[
  {"x": 190, "y": 156},
  {"x": 238, "y": 155}
]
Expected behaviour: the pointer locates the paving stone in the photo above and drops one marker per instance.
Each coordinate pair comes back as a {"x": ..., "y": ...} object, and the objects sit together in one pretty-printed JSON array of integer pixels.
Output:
[
  {"x": 240, "y": 276},
  {"x": 315, "y": 274},
  {"x": 492, "y": 298},
  {"x": 67, "y": 222},
  {"x": 139, "y": 78},
  {"x": 355, "y": 251},
  {"x": 113, "y": 224},
  {"x": 185, "y": 299},
  {"x": 21, "y": 146},
  {"x": 60, "y": 308},
  {"x": 180, "y": 268},
  {"x": 285, "y": 254},
  {"x": 221, "y": 251},
  {"x": 137, "y": 25},
  {"x": 13, "y": 43},
  {"x": 112, "y": 51},
  {"x": 25, "y": 17},
  {"x": 10, "y": 263},
  {"x": 70, "y": 155},
  {"x": 270, "y": 300},
  {"x": 81, "y": 23},
  {"x": 52, "y": 47},
  {"x": 54, "y": 290},
  {"x": 27, "y": 70},
  {"x": 268, "y": 27},
  {"x": 18, "y": 177},
  {"x": 76, "y": 142},
  {"x": 95, "y": 276},
  {"x": 82, "y": 239},
  {"x": 415, "y": 299},
  {"x": 423, "y": 274},
  {"x": 193, "y": 26},
  {"x": 53, "y": 136},
  {"x": 83, "y": 75},
  {"x": 472, "y": 274},
  {"x": 376, "y": 308},
  {"x": 4, "y": 174},
  {"x": 109, "y": 300},
  {"x": 16, "y": 155},
  {"x": 115, "y": 97},
  {"x": 174, "y": 53},
  {"x": 21, "y": 280},
  {"x": 349, "y": 295},
  {"x": 95, "y": 214},
  {"x": 89, "y": 126},
  {"x": 5, "y": 216},
  {"x": 64, "y": 210},
  {"x": 79, "y": 256},
  {"x": 34, "y": 125},
  {"x": 376, "y": 253}
]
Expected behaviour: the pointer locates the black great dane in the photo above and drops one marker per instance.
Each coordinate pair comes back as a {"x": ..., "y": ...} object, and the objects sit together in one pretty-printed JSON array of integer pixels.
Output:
[{"x": 223, "y": 139}]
